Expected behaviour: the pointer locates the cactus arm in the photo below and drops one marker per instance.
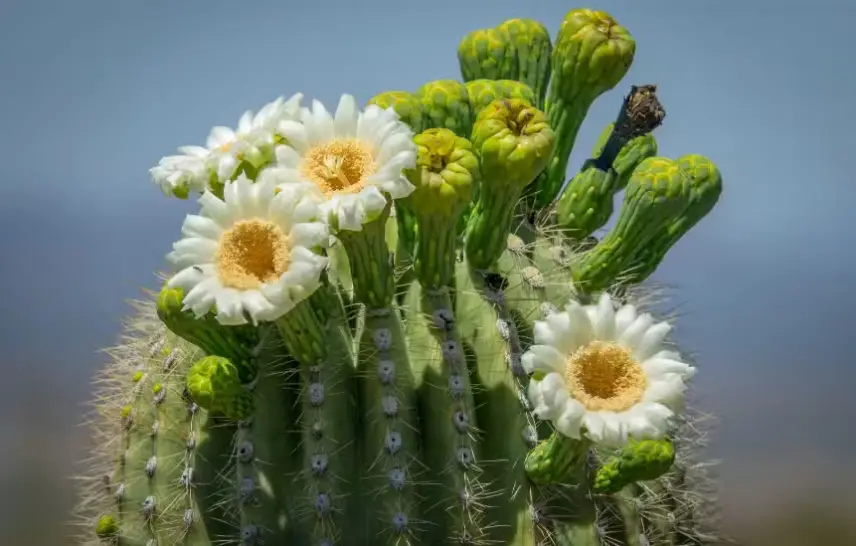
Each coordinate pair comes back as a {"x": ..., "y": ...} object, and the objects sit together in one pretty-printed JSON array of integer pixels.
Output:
[
  {"x": 390, "y": 445},
  {"x": 629, "y": 157},
  {"x": 487, "y": 54},
  {"x": 371, "y": 262}
]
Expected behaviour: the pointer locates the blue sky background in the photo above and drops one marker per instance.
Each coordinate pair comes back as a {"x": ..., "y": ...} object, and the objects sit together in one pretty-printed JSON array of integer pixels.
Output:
[{"x": 93, "y": 93}]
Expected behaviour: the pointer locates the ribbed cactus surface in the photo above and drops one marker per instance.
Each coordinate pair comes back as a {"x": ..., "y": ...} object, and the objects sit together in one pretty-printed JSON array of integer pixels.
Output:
[{"x": 396, "y": 324}]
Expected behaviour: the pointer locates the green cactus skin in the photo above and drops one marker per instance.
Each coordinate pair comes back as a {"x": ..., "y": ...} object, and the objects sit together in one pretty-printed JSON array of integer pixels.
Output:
[
  {"x": 514, "y": 143},
  {"x": 658, "y": 192},
  {"x": 591, "y": 55},
  {"x": 391, "y": 406}
]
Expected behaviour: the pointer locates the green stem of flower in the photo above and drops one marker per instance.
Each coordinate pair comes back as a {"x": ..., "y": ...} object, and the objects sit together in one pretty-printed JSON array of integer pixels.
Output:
[
  {"x": 371, "y": 262},
  {"x": 490, "y": 224}
]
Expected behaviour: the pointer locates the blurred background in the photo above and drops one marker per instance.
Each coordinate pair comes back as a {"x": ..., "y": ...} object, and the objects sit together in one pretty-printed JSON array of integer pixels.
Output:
[{"x": 94, "y": 92}]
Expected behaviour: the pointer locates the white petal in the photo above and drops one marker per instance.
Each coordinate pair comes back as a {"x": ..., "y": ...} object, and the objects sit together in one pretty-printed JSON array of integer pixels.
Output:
[
  {"x": 295, "y": 133},
  {"x": 545, "y": 358},
  {"x": 570, "y": 421},
  {"x": 624, "y": 318},
  {"x": 230, "y": 311},
  {"x": 219, "y": 136},
  {"x": 191, "y": 251},
  {"x": 216, "y": 209},
  {"x": 652, "y": 340},
  {"x": 372, "y": 201},
  {"x": 349, "y": 214},
  {"x": 319, "y": 124},
  {"x": 668, "y": 391},
  {"x": 346, "y": 117},
  {"x": 286, "y": 156},
  {"x": 658, "y": 367},
  {"x": 201, "y": 227},
  {"x": 310, "y": 235},
  {"x": 603, "y": 320},
  {"x": 632, "y": 335},
  {"x": 398, "y": 187},
  {"x": 581, "y": 327}
]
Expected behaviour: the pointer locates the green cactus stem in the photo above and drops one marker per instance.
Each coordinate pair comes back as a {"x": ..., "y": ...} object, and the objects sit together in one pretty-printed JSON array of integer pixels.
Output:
[
  {"x": 591, "y": 55},
  {"x": 446, "y": 171},
  {"x": 657, "y": 193},
  {"x": 372, "y": 263},
  {"x": 514, "y": 142},
  {"x": 214, "y": 383},
  {"x": 585, "y": 204},
  {"x": 556, "y": 460}
]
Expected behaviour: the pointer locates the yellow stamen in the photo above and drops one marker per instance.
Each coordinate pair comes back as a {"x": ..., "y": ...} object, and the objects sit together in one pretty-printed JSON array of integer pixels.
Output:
[
  {"x": 339, "y": 166},
  {"x": 252, "y": 252},
  {"x": 605, "y": 376}
]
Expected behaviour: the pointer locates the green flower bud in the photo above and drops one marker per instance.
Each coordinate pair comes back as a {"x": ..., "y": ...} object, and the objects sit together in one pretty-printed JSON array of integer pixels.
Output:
[
  {"x": 638, "y": 461},
  {"x": 514, "y": 142},
  {"x": 591, "y": 55},
  {"x": 487, "y": 54},
  {"x": 586, "y": 202},
  {"x": 658, "y": 192},
  {"x": 556, "y": 460},
  {"x": 446, "y": 104},
  {"x": 214, "y": 383},
  {"x": 405, "y": 104},
  {"x": 532, "y": 50},
  {"x": 446, "y": 172},
  {"x": 705, "y": 188},
  {"x": 483, "y": 92},
  {"x": 106, "y": 527}
]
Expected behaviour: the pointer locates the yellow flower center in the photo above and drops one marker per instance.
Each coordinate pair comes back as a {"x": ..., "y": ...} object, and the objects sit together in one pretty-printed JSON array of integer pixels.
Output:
[
  {"x": 605, "y": 376},
  {"x": 252, "y": 252},
  {"x": 339, "y": 166}
]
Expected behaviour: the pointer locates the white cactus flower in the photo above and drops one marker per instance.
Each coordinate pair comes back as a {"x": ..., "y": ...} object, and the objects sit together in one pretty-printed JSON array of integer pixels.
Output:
[
  {"x": 252, "y": 253},
  {"x": 225, "y": 148},
  {"x": 604, "y": 374},
  {"x": 354, "y": 159}
]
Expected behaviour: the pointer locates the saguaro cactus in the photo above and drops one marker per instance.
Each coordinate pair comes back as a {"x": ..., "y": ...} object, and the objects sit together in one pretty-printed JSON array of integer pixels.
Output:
[{"x": 374, "y": 334}]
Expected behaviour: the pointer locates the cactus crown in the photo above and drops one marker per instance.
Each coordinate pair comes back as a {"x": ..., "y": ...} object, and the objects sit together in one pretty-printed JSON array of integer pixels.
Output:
[{"x": 399, "y": 325}]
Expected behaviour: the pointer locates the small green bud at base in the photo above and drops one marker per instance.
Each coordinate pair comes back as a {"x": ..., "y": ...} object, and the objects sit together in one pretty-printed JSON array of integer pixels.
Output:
[
  {"x": 556, "y": 460},
  {"x": 213, "y": 383},
  {"x": 106, "y": 527},
  {"x": 638, "y": 461}
]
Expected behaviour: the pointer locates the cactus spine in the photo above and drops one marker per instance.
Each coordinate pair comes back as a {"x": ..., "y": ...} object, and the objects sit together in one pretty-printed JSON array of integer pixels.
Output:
[{"x": 388, "y": 325}]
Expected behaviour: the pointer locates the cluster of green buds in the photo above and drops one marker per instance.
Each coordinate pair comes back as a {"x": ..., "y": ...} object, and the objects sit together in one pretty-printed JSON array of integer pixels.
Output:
[{"x": 397, "y": 324}]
